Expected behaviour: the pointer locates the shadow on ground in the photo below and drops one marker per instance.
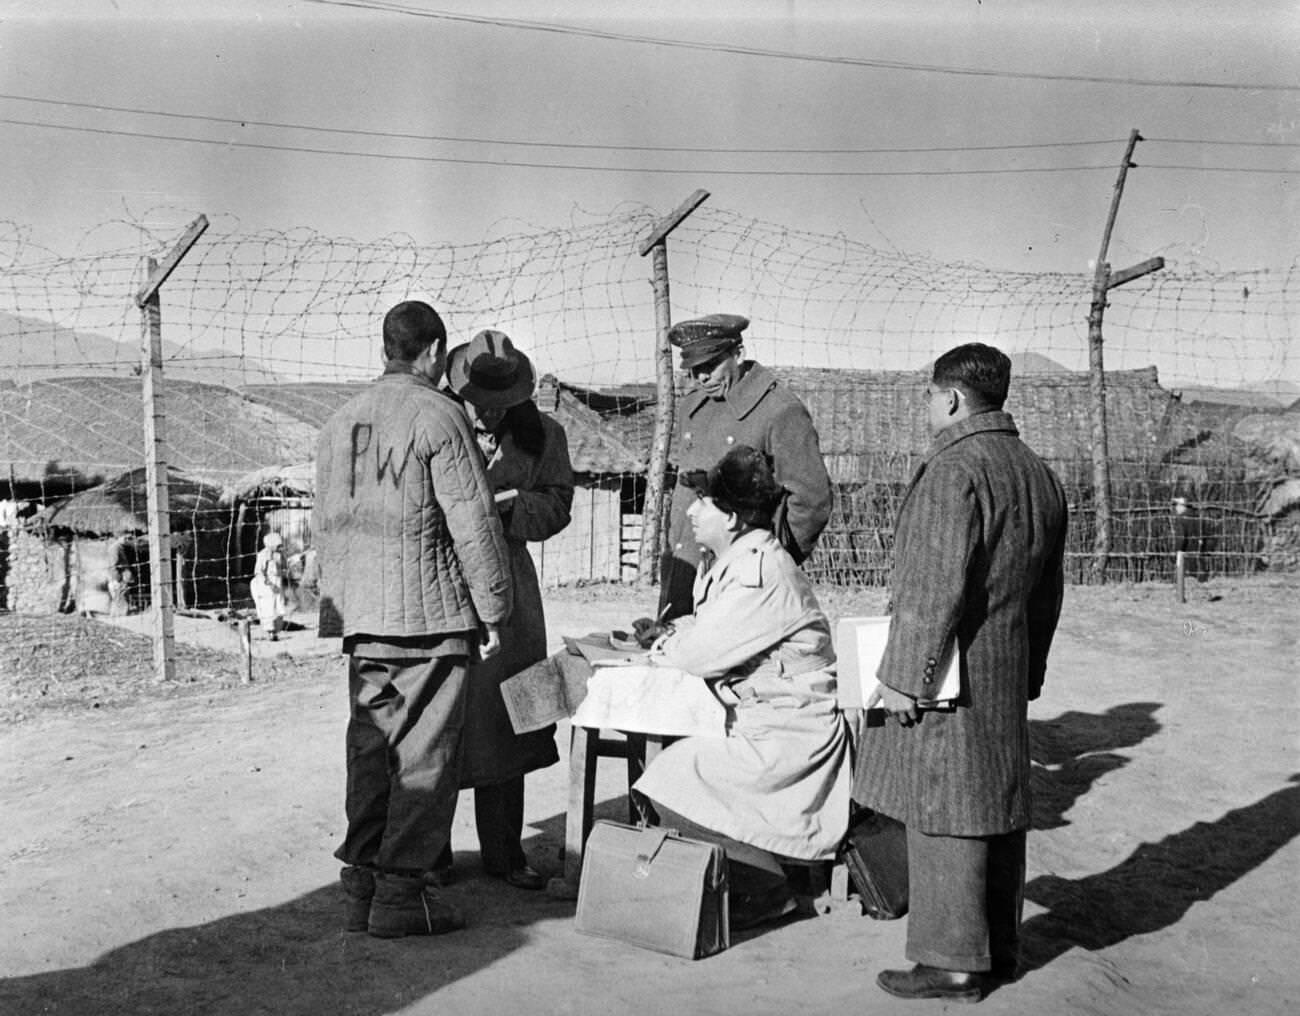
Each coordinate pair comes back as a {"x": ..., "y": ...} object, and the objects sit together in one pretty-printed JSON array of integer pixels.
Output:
[
  {"x": 1073, "y": 751},
  {"x": 1158, "y": 883},
  {"x": 290, "y": 960}
]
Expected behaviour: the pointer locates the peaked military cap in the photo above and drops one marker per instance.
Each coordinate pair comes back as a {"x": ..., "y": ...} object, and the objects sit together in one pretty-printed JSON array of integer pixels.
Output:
[{"x": 703, "y": 339}]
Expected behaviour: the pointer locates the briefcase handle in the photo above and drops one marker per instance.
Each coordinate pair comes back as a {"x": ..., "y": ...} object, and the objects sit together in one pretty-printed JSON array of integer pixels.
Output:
[{"x": 648, "y": 844}]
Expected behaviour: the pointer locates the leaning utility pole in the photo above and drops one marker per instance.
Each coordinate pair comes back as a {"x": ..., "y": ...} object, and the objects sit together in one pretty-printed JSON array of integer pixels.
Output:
[
  {"x": 656, "y": 499},
  {"x": 1103, "y": 280}
]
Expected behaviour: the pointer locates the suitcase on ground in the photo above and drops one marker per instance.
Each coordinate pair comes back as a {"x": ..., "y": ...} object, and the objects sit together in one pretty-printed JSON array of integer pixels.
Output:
[
  {"x": 652, "y": 888},
  {"x": 875, "y": 854}
]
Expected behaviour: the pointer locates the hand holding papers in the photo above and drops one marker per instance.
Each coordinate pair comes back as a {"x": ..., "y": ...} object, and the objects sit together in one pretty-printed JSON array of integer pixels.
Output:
[{"x": 860, "y": 646}]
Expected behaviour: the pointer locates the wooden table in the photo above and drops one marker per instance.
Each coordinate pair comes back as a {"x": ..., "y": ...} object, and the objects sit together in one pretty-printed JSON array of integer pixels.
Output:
[{"x": 637, "y": 748}]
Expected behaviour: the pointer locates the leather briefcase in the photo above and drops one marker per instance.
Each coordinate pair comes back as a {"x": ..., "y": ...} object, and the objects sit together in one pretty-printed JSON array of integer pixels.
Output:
[
  {"x": 650, "y": 887},
  {"x": 875, "y": 853}
]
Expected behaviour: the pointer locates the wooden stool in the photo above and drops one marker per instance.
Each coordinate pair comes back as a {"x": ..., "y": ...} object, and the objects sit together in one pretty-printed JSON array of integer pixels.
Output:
[{"x": 586, "y": 748}]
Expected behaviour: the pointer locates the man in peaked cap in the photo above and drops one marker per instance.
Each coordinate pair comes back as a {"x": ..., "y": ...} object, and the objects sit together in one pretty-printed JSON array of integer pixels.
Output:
[{"x": 735, "y": 401}]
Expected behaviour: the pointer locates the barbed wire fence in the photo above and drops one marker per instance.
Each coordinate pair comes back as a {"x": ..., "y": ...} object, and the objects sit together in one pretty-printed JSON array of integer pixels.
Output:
[{"x": 264, "y": 332}]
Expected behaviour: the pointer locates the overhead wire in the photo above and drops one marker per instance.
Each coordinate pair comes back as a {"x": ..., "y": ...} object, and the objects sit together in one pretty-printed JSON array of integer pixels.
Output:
[
  {"x": 243, "y": 122},
  {"x": 776, "y": 54},
  {"x": 694, "y": 170}
]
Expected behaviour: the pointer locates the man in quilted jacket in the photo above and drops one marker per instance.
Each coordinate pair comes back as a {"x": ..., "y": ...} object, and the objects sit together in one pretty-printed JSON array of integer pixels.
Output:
[{"x": 415, "y": 569}]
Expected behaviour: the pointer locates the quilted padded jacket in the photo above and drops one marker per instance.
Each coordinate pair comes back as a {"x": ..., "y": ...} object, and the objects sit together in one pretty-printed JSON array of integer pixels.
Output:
[{"x": 408, "y": 535}]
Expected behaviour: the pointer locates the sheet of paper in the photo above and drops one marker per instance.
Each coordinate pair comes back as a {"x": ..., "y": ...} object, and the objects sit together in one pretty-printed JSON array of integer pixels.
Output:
[
  {"x": 653, "y": 700},
  {"x": 535, "y": 697},
  {"x": 860, "y": 646},
  {"x": 546, "y": 692}
]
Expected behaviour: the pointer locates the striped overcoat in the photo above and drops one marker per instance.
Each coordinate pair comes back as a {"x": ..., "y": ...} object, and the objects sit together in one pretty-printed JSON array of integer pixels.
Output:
[{"x": 979, "y": 549}]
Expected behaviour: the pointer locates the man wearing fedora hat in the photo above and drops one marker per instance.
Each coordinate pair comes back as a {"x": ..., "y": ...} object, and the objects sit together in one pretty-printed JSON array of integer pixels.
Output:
[
  {"x": 414, "y": 566},
  {"x": 528, "y": 468},
  {"x": 738, "y": 402}
]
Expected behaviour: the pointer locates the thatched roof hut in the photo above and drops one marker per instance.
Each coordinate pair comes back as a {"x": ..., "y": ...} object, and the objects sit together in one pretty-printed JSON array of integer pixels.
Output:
[
  {"x": 295, "y": 481},
  {"x": 1274, "y": 438},
  {"x": 121, "y": 506},
  {"x": 67, "y": 434}
]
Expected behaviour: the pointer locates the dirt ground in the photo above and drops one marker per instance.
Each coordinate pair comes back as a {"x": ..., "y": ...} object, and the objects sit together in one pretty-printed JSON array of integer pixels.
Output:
[{"x": 168, "y": 851}]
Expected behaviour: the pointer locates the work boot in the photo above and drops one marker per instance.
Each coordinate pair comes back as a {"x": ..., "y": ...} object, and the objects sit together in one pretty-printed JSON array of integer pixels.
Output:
[
  {"x": 406, "y": 905},
  {"x": 359, "y": 885}
]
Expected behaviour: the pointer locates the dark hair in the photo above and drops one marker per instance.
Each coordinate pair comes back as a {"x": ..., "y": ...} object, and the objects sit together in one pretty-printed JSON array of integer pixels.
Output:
[
  {"x": 410, "y": 328},
  {"x": 524, "y": 423},
  {"x": 742, "y": 484},
  {"x": 982, "y": 372}
]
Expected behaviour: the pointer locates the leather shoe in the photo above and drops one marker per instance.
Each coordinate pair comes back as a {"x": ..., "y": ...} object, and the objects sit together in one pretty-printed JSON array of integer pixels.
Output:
[
  {"x": 526, "y": 878},
  {"x": 932, "y": 982}
]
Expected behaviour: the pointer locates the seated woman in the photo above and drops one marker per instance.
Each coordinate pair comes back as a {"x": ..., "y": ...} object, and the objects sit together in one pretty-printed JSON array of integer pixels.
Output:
[{"x": 778, "y": 784}]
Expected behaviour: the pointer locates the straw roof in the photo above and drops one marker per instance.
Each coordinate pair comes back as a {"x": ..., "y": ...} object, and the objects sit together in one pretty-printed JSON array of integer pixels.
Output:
[
  {"x": 68, "y": 433},
  {"x": 122, "y": 506},
  {"x": 1274, "y": 438},
  {"x": 595, "y": 446},
  {"x": 872, "y": 422},
  {"x": 312, "y": 402},
  {"x": 298, "y": 480}
]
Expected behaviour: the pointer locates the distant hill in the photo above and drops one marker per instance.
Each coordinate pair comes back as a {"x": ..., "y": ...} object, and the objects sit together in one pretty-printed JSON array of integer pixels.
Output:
[{"x": 32, "y": 349}]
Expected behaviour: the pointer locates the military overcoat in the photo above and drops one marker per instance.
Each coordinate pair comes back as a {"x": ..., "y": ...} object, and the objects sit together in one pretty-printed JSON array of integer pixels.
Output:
[{"x": 760, "y": 412}]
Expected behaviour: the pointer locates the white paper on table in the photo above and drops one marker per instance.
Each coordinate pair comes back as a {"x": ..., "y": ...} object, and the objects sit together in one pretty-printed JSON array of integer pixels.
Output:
[
  {"x": 860, "y": 646},
  {"x": 651, "y": 699}
]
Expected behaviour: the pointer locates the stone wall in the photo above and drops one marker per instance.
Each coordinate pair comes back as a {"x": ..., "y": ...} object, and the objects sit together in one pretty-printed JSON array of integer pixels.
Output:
[{"x": 35, "y": 579}]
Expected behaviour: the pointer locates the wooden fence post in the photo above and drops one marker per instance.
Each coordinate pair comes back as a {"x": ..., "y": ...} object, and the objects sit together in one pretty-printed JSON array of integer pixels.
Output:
[
  {"x": 155, "y": 454},
  {"x": 1102, "y": 282},
  {"x": 656, "y": 494}
]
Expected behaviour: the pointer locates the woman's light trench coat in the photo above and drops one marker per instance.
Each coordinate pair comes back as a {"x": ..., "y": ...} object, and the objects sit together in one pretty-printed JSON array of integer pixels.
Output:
[{"x": 780, "y": 779}]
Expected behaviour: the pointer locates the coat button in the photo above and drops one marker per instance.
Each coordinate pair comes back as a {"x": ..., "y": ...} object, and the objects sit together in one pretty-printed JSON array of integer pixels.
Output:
[
  {"x": 927, "y": 679},
  {"x": 730, "y": 439},
  {"x": 932, "y": 662}
]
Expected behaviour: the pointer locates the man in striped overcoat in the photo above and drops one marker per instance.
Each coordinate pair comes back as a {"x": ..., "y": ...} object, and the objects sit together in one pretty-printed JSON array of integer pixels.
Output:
[{"x": 979, "y": 548}]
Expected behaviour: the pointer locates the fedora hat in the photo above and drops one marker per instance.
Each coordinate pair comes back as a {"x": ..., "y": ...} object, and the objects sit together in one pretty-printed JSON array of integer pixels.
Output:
[{"x": 490, "y": 373}]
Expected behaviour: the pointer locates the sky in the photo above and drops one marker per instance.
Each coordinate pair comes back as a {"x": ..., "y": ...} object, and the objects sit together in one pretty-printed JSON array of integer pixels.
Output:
[{"x": 955, "y": 129}]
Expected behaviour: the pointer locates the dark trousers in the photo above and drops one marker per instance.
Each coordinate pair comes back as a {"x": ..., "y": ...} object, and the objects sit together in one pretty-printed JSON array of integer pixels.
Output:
[
  {"x": 402, "y": 740},
  {"x": 966, "y": 896},
  {"x": 499, "y": 819}
]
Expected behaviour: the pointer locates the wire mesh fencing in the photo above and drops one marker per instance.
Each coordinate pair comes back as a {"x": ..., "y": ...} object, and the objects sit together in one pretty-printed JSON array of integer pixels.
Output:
[{"x": 266, "y": 333}]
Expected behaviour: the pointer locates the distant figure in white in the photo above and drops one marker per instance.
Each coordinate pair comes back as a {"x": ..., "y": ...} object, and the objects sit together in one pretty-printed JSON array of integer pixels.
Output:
[{"x": 267, "y": 585}]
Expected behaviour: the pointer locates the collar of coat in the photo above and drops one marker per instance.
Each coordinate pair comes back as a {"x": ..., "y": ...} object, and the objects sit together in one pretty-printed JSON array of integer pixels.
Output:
[
  {"x": 743, "y": 396},
  {"x": 980, "y": 423},
  {"x": 743, "y": 560},
  {"x": 395, "y": 370}
]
